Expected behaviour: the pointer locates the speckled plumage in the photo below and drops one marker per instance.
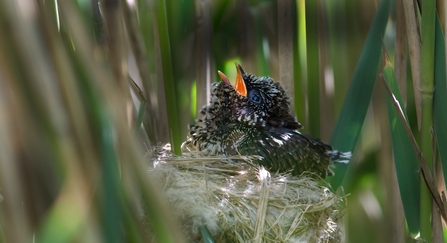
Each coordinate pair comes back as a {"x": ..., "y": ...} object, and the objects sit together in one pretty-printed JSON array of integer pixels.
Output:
[{"x": 259, "y": 123}]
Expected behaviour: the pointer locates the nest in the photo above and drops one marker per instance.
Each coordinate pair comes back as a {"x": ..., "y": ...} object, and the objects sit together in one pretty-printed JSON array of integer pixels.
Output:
[{"x": 238, "y": 201}]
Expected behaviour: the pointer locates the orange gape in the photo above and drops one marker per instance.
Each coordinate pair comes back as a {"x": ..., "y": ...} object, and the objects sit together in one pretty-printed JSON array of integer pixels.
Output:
[{"x": 239, "y": 86}]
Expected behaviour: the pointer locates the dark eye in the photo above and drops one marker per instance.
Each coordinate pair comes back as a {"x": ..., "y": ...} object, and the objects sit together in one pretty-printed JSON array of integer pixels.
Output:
[{"x": 254, "y": 96}]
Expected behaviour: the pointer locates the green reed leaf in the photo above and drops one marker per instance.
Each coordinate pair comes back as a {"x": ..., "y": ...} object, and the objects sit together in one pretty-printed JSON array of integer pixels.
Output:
[{"x": 350, "y": 121}]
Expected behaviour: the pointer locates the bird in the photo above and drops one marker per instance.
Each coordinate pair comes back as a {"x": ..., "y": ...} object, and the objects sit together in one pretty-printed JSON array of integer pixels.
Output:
[{"x": 252, "y": 117}]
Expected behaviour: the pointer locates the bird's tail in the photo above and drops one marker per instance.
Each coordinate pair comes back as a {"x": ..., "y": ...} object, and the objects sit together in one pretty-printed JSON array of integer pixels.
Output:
[{"x": 340, "y": 157}]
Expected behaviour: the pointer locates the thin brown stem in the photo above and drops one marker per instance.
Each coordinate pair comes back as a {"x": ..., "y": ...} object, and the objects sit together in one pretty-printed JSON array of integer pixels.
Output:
[
  {"x": 414, "y": 46},
  {"x": 428, "y": 177}
]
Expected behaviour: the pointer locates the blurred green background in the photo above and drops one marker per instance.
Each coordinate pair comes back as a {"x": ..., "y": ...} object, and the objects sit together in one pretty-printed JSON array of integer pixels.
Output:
[{"x": 87, "y": 87}]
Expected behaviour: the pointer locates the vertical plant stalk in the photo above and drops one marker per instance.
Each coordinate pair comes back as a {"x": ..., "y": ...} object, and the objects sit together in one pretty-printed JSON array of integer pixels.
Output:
[
  {"x": 414, "y": 46},
  {"x": 163, "y": 222},
  {"x": 301, "y": 86},
  {"x": 262, "y": 53},
  {"x": 154, "y": 89},
  {"x": 326, "y": 102},
  {"x": 159, "y": 215},
  {"x": 400, "y": 68},
  {"x": 436, "y": 216},
  {"x": 161, "y": 121},
  {"x": 340, "y": 53},
  {"x": 245, "y": 35},
  {"x": 440, "y": 9},
  {"x": 16, "y": 227},
  {"x": 113, "y": 23},
  {"x": 426, "y": 93},
  {"x": 203, "y": 48},
  {"x": 139, "y": 52},
  {"x": 445, "y": 39},
  {"x": 67, "y": 77},
  {"x": 440, "y": 113},
  {"x": 400, "y": 63},
  {"x": 111, "y": 208},
  {"x": 168, "y": 76},
  {"x": 285, "y": 47},
  {"x": 405, "y": 160},
  {"x": 48, "y": 120},
  {"x": 426, "y": 174},
  {"x": 312, "y": 99}
]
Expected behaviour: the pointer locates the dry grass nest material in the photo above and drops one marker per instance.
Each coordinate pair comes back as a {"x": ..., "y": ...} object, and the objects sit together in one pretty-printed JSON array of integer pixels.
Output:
[{"x": 238, "y": 201}]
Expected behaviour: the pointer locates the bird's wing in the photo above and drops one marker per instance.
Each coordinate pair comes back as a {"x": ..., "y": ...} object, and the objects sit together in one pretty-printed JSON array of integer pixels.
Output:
[{"x": 284, "y": 149}]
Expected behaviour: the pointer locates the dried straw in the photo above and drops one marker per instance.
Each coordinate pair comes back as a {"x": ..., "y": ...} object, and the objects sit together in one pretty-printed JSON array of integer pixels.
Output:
[{"x": 240, "y": 202}]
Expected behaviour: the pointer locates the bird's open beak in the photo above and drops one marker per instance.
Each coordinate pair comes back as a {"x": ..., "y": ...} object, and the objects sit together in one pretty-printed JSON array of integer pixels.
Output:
[
  {"x": 224, "y": 78},
  {"x": 239, "y": 86}
]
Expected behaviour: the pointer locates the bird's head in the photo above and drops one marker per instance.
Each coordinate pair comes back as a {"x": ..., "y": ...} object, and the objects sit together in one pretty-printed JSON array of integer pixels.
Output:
[{"x": 254, "y": 101}]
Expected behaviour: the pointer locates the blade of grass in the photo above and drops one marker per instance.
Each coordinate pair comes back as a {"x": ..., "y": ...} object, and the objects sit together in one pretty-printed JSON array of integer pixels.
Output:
[
  {"x": 110, "y": 204},
  {"x": 44, "y": 114},
  {"x": 426, "y": 94},
  {"x": 400, "y": 63},
  {"x": 158, "y": 214},
  {"x": 168, "y": 76},
  {"x": 140, "y": 115},
  {"x": 114, "y": 29},
  {"x": 424, "y": 169},
  {"x": 140, "y": 53},
  {"x": 111, "y": 208},
  {"x": 301, "y": 79},
  {"x": 52, "y": 122},
  {"x": 147, "y": 26},
  {"x": 440, "y": 98},
  {"x": 162, "y": 123},
  {"x": 428, "y": 178},
  {"x": 355, "y": 106},
  {"x": 206, "y": 235},
  {"x": 414, "y": 44},
  {"x": 405, "y": 159},
  {"x": 142, "y": 100}
]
